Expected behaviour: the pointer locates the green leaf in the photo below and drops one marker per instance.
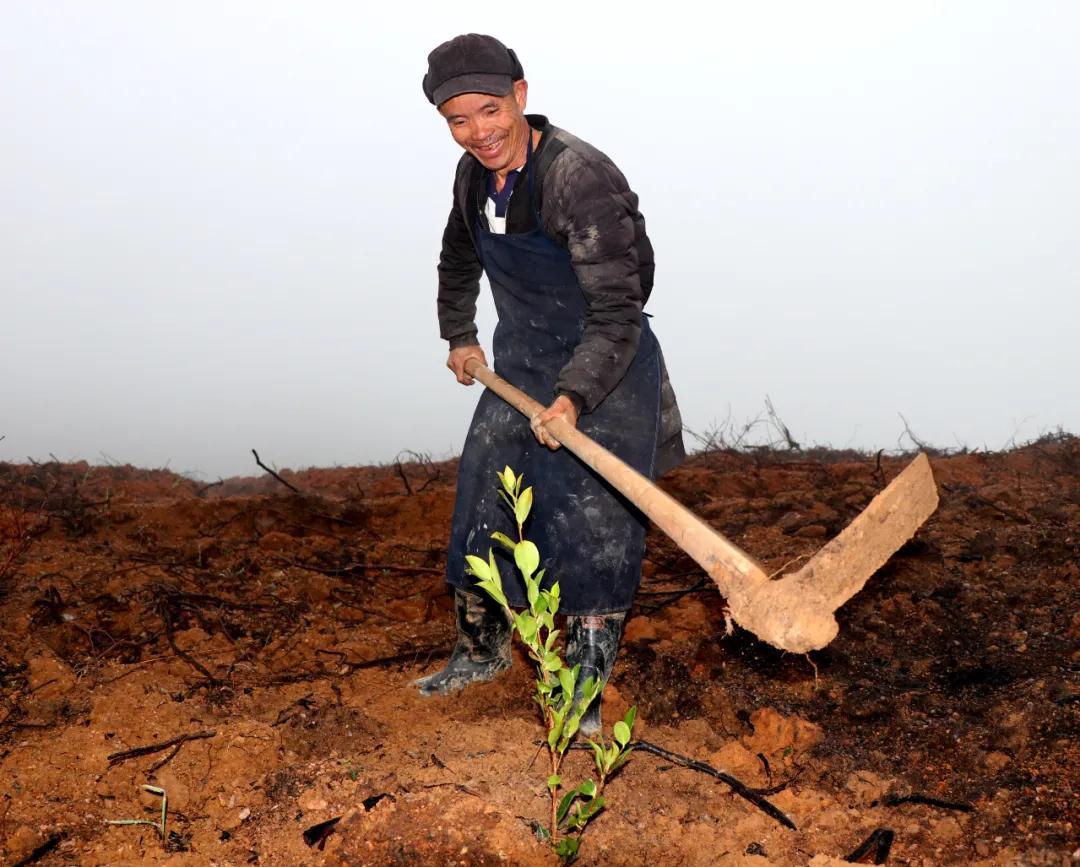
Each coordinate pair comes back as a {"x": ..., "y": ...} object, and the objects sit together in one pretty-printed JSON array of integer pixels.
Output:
[
  {"x": 507, "y": 479},
  {"x": 620, "y": 761},
  {"x": 556, "y": 728},
  {"x": 564, "y": 804},
  {"x": 505, "y": 541},
  {"x": 552, "y": 636},
  {"x": 527, "y": 557},
  {"x": 577, "y": 820},
  {"x": 541, "y": 604},
  {"x": 622, "y": 733},
  {"x": 566, "y": 681},
  {"x": 478, "y": 567},
  {"x": 588, "y": 789},
  {"x": 553, "y": 781},
  {"x": 533, "y": 594},
  {"x": 569, "y": 730},
  {"x": 589, "y": 692},
  {"x": 598, "y": 754},
  {"x": 553, "y": 663},
  {"x": 495, "y": 591},
  {"x": 524, "y": 505},
  {"x": 631, "y": 715},
  {"x": 584, "y": 814},
  {"x": 567, "y": 848}
]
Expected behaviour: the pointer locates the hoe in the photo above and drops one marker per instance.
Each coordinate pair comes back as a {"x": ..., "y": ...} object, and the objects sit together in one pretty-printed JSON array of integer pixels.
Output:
[{"x": 797, "y": 611}]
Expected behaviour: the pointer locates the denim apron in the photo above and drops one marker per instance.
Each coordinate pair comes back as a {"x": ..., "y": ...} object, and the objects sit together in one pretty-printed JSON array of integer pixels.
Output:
[{"x": 591, "y": 539}]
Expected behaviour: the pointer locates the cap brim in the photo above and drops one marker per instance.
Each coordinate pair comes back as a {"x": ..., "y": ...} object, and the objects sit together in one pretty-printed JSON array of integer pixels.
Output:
[{"x": 473, "y": 82}]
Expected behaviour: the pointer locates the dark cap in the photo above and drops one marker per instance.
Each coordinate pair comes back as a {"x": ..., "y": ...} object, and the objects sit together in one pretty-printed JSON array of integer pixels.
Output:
[{"x": 471, "y": 63}]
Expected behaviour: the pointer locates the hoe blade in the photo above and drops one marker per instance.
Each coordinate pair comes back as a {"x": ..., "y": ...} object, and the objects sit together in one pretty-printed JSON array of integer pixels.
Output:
[
  {"x": 796, "y": 612},
  {"x": 842, "y": 567}
]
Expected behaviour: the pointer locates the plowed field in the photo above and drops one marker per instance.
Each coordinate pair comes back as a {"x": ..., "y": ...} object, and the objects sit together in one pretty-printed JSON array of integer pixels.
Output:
[{"x": 263, "y": 643}]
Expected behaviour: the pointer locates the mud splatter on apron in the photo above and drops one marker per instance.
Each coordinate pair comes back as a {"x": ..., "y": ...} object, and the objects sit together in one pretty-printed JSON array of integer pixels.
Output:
[{"x": 591, "y": 540}]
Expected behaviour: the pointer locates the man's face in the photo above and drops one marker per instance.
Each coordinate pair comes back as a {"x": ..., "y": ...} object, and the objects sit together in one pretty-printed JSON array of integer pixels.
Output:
[{"x": 492, "y": 128}]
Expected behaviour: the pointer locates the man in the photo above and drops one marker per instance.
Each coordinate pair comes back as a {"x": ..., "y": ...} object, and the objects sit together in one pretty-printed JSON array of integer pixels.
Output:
[{"x": 552, "y": 222}]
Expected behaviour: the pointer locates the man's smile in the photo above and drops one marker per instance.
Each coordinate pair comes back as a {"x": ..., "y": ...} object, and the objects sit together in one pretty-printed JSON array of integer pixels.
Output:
[{"x": 490, "y": 149}]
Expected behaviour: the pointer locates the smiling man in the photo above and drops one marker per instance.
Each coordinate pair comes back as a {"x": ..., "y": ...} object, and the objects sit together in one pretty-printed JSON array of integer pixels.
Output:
[{"x": 556, "y": 228}]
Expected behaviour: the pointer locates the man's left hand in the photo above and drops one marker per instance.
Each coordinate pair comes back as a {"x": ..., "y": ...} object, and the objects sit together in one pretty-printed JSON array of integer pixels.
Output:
[{"x": 562, "y": 408}]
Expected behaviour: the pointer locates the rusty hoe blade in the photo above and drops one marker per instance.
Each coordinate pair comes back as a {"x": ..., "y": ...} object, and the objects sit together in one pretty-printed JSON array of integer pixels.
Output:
[{"x": 795, "y": 612}]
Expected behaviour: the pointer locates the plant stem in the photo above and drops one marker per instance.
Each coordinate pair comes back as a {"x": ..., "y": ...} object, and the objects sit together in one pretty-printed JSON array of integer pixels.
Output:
[{"x": 554, "y": 800}]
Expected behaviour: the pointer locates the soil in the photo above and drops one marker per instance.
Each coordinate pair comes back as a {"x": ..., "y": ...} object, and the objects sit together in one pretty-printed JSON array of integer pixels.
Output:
[{"x": 281, "y": 632}]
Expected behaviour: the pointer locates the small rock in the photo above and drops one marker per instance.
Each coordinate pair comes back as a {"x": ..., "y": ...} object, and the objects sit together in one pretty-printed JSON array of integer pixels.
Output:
[
  {"x": 867, "y": 787},
  {"x": 789, "y": 521},
  {"x": 995, "y": 761},
  {"x": 946, "y": 830},
  {"x": 48, "y": 677},
  {"x": 310, "y": 802},
  {"x": 640, "y": 629},
  {"x": 20, "y": 844},
  {"x": 1001, "y": 493},
  {"x": 736, "y": 759},
  {"x": 276, "y": 541},
  {"x": 774, "y": 733},
  {"x": 982, "y": 848}
]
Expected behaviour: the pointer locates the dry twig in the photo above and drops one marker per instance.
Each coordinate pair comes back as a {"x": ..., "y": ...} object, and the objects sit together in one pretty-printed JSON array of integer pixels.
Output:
[
  {"x": 275, "y": 475},
  {"x": 150, "y": 749}
]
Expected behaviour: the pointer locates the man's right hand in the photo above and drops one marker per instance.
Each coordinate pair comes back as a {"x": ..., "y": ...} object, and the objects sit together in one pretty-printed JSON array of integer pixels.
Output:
[{"x": 457, "y": 359}]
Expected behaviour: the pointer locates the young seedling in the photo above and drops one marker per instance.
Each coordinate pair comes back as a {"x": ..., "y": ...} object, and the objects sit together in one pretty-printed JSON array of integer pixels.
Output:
[
  {"x": 571, "y": 808},
  {"x": 157, "y": 826}
]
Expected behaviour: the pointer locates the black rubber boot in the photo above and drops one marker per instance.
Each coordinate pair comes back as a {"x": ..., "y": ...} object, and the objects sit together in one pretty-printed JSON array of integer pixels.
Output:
[
  {"x": 482, "y": 649},
  {"x": 592, "y": 641}
]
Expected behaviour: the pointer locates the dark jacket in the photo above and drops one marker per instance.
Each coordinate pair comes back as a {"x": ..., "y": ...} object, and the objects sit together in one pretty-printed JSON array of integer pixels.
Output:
[{"x": 586, "y": 206}]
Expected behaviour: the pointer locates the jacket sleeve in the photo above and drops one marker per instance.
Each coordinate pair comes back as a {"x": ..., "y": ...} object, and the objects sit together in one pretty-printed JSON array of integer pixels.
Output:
[
  {"x": 590, "y": 207},
  {"x": 459, "y": 280}
]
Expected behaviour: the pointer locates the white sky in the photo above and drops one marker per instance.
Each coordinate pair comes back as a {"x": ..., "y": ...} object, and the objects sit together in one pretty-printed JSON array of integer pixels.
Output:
[{"x": 220, "y": 220}]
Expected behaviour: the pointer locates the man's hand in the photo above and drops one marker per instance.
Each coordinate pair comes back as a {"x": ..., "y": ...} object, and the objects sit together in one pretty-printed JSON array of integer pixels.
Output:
[
  {"x": 457, "y": 359},
  {"x": 563, "y": 408}
]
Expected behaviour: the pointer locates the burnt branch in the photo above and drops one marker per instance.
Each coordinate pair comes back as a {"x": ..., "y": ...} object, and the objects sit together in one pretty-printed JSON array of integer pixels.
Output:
[
  {"x": 150, "y": 749},
  {"x": 927, "y": 800},
  {"x": 877, "y": 845},
  {"x": 275, "y": 475},
  {"x": 754, "y": 796}
]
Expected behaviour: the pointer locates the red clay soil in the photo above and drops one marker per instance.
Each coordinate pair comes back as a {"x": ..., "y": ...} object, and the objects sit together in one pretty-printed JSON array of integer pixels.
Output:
[{"x": 281, "y": 632}]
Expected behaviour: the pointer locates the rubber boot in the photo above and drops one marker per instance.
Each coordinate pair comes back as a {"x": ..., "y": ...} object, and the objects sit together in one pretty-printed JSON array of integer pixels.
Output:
[
  {"x": 482, "y": 649},
  {"x": 592, "y": 641}
]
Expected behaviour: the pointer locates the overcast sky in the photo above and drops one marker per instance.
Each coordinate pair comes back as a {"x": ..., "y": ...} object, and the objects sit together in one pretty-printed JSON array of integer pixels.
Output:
[{"x": 221, "y": 220}]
